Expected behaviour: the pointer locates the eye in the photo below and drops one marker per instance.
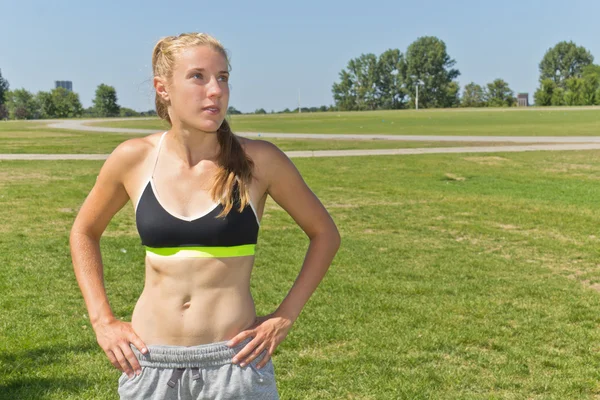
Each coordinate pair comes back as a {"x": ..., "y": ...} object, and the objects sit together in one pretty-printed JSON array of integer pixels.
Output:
[
  {"x": 224, "y": 78},
  {"x": 197, "y": 74}
]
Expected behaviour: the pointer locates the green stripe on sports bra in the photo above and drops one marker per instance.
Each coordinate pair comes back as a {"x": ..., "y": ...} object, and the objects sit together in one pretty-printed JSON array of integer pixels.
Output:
[{"x": 202, "y": 252}]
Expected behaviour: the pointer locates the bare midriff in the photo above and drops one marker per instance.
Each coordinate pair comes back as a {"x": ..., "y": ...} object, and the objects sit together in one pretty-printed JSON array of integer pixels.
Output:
[{"x": 193, "y": 301}]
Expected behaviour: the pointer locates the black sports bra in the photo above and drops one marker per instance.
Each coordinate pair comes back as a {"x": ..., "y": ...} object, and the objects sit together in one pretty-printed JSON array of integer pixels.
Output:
[{"x": 166, "y": 234}]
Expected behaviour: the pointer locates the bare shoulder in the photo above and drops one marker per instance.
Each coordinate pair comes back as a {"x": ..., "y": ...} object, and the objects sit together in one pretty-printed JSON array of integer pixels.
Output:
[
  {"x": 286, "y": 186},
  {"x": 257, "y": 147},
  {"x": 109, "y": 193},
  {"x": 132, "y": 151},
  {"x": 128, "y": 155},
  {"x": 265, "y": 155}
]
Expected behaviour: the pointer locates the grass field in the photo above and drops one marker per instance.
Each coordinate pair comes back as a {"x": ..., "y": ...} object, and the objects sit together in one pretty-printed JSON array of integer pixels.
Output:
[
  {"x": 33, "y": 138},
  {"x": 459, "y": 277},
  {"x": 495, "y": 122}
]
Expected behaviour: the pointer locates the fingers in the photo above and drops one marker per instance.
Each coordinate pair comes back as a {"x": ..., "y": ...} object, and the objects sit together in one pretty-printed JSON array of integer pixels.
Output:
[
  {"x": 116, "y": 339},
  {"x": 123, "y": 363},
  {"x": 137, "y": 342},
  {"x": 266, "y": 358},
  {"x": 113, "y": 360},
  {"x": 257, "y": 351},
  {"x": 242, "y": 354},
  {"x": 240, "y": 337},
  {"x": 131, "y": 358}
]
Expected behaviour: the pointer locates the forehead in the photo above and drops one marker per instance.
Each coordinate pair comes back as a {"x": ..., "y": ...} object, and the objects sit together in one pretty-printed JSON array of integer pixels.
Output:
[{"x": 201, "y": 57}]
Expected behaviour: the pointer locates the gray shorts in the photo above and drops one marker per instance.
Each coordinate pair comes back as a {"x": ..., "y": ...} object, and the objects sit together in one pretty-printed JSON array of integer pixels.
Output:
[{"x": 198, "y": 372}]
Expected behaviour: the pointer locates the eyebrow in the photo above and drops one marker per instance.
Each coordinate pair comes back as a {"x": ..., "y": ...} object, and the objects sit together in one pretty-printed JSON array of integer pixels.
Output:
[{"x": 203, "y": 70}]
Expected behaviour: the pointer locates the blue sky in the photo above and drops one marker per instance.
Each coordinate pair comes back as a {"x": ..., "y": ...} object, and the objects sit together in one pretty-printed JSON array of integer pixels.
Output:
[{"x": 278, "y": 48}]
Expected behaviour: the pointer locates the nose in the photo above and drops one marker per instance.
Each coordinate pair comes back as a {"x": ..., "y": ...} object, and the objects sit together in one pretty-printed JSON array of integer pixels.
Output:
[{"x": 213, "y": 88}]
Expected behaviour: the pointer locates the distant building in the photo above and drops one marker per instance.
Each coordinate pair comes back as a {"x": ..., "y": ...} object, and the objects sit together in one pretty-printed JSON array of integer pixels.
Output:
[
  {"x": 523, "y": 100},
  {"x": 64, "y": 84}
]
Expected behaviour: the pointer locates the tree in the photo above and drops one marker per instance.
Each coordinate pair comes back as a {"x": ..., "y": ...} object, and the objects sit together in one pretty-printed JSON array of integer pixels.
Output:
[
  {"x": 344, "y": 93},
  {"x": 21, "y": 104},
  {"x": 558, "y": 97},
  {"x": 370, "y": 83},
  {"x": 574, "y": 91},
  {"x": 543, "y": 96},
  {"x": 260, "y": 111},
  {"x": 89, "y": 112},
  {"x": 390, "y": 79},
  {"x": 428, "y": 61},
  {"x": 59, "y": 103},
  {"x": 563, "y": 61},
  {"x": 591, "y": 85},
  {"x": 364, "y": 72},
  {"x": 358, "y": 87},
  {"x": 46, "y": 105},
  {"x": 453, "y": 94},
  {"x": 128, "y": 112},
  {"x": 473, "y": 96},
  {"x": 67, "y": 103},
  {"x": 499, "y": 94},
  {"x": 4, "y": 87},
  {"x": 233, "y": 111},
  {"x": 149, "y": 113},
  {"x": 105, "y": 102}
]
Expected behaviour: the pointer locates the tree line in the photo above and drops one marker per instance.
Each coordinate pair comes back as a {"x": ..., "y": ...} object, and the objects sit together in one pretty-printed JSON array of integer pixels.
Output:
[
  {"x": 60, "y": 103},
  {"x": 568, "y": 76},
  {"x": 390, "y": 81}
]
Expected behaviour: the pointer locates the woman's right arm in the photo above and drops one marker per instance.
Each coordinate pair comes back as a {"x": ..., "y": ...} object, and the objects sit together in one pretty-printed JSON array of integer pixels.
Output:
[{"x": 105, "y": 199}]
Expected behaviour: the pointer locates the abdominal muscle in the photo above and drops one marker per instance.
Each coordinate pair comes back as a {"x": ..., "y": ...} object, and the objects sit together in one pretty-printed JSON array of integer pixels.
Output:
[{"x": 193, "y": 301}]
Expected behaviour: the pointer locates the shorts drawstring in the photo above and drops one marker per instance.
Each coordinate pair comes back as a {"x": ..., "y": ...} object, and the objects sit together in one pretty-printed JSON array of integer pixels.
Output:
[{"x": 178, "y": 372}]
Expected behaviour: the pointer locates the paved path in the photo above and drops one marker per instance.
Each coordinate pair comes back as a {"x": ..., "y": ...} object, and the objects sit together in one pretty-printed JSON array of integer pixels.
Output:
[
  {"x": 80, "y": 126},
  {"x": 342, "y": 153},
  {"x": 562, "y": 143}
]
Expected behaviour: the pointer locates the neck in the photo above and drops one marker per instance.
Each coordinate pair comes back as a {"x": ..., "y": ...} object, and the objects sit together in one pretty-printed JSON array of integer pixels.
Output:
[{"x": 192, "y": 145}]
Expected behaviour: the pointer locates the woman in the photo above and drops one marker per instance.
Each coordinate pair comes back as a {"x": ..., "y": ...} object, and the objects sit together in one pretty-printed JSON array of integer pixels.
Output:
[{"x": 199, "y": 193}]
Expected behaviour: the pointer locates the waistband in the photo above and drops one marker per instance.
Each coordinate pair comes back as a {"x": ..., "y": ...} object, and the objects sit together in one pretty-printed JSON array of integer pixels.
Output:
[
  {"x": 202, "y": 252},
  {"x": 204, "y": 355}
]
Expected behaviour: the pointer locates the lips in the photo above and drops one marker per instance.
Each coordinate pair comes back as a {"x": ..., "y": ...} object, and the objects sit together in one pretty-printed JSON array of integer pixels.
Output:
[{"x": 211, "y": 108}]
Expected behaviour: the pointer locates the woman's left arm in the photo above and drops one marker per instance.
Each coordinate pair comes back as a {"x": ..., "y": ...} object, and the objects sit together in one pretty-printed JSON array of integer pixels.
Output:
[{"x": 286, "y": 186}]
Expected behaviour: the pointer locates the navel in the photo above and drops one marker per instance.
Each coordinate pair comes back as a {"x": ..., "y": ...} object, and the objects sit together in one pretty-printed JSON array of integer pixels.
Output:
[{"x": 186, "y": 302}]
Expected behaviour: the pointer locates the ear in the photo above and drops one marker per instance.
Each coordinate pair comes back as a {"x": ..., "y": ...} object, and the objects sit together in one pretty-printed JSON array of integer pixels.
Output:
[{"x": 160, "y": 85}]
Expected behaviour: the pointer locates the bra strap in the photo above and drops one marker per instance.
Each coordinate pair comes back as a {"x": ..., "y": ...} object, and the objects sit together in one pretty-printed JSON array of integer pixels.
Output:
[{"x": 158, "y": 152}]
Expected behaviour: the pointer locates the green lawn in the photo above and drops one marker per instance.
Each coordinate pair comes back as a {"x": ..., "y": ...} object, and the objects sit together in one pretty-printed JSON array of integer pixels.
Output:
[
  {"x": 459, "y": 277},
  {"x": 497, "y": 122},
  {"x": 31, "y": 137}
]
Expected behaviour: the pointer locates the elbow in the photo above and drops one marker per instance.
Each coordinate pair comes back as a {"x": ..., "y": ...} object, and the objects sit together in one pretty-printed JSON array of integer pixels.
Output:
[
  {"x": 78, "y": 233},
  {"x": 336, "y": 238},
  {"x": 73, "y": 236},
  {"x": 74, "y": 241},
  {"x": 331, "y": 236}
]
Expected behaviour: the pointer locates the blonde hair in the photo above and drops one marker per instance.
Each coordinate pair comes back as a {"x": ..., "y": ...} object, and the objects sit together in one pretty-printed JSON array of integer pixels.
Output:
[{"x": 234, "y": 165}]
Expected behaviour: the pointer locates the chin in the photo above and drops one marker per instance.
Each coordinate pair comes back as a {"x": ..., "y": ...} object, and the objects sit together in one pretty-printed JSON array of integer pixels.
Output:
[
  {"x": 205, "y": 126},
  {"x": 209, "y": 127}
]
